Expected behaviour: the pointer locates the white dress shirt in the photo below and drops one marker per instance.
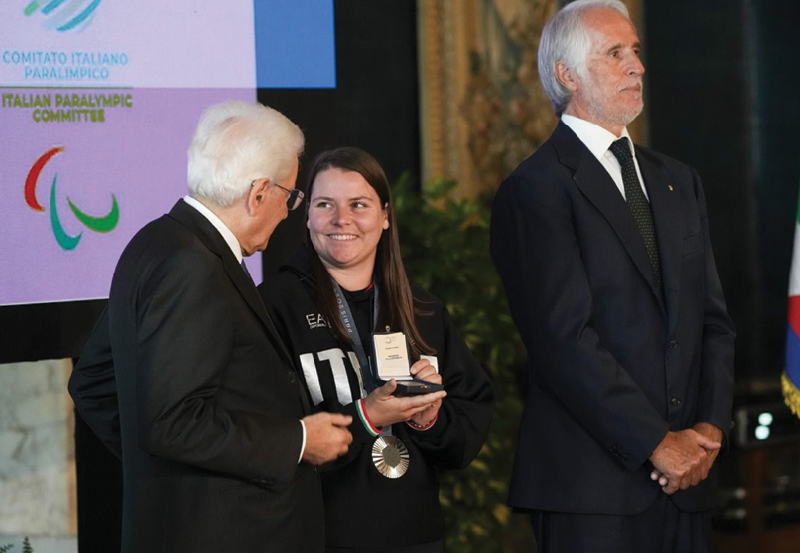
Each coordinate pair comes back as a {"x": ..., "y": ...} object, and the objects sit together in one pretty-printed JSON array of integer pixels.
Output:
[
  {"x": 233, "y": 244},
  {"x": 598, "y": 140}
]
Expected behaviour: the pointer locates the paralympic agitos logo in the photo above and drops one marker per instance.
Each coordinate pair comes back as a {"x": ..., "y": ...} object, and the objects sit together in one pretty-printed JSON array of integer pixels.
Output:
[
  {"x": 103, "y": 224},
  {"x": 63, "y": 15}
]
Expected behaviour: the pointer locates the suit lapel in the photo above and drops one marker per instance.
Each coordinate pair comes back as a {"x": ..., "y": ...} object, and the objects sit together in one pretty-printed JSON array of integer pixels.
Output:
[
  {"x": 247, "y": 288},
  {"x": 212, "y": 239},
  {"x": 665, "y": 206},
  {"x": 597, "y": 185}
]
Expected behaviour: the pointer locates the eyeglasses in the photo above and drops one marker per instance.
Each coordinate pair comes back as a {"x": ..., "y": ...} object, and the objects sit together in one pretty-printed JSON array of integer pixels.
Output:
[{"x": 294, "y": 196}]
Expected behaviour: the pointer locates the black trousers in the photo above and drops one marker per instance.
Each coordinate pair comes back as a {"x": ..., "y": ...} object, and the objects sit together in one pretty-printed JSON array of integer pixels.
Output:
[{"x": 660, "y": 529}]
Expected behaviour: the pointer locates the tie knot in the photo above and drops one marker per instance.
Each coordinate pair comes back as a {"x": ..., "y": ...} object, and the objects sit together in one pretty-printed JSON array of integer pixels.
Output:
[{"x": 621, "y": 150}]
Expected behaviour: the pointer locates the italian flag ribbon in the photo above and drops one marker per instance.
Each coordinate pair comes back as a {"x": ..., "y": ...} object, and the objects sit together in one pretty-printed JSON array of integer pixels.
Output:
[{"x": 790, "y": 379}]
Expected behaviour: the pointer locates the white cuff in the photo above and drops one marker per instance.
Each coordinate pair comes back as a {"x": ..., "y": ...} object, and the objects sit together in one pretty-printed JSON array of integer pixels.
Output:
[{"x": 302, "y": 447}]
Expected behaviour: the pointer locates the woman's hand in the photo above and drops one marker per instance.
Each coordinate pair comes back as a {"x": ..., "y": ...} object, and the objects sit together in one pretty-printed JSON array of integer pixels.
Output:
[
  {"x": 423, "y": 370},
  {"x": 383, "y": 408}
]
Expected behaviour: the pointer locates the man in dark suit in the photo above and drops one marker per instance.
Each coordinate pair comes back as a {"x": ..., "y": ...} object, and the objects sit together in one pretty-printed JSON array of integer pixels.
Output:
[
  {"x": 185, "y": 375},
  {"x": 604, "y": 251}
]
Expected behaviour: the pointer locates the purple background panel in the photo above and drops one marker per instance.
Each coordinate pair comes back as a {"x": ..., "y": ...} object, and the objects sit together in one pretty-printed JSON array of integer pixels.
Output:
[{"x": 138, "y": 154}]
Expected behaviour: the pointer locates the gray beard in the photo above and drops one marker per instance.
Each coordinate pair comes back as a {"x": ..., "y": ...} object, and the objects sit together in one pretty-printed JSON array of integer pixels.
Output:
[{"x": 614, "y": 117}]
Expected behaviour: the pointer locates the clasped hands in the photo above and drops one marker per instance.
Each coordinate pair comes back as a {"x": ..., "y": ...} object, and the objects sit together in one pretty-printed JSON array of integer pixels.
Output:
[
  {"x": 684, "y": 458},
  {"x": 384, "y": 409}
]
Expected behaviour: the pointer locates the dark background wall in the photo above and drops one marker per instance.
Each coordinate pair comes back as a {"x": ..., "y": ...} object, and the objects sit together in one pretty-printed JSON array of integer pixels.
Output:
[
  {"x": 374, "y": 105},
  {"x": 775, "y": 127}
]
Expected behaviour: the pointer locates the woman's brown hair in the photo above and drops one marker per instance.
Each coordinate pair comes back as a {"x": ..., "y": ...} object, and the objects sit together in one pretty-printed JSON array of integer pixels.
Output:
[{"x": 396, "y": 309}]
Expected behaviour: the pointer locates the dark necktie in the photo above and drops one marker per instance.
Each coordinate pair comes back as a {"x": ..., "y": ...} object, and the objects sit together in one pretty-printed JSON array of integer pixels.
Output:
[
  {"x": 637, "y": 203},
  {"x": 244, "y": 268}
]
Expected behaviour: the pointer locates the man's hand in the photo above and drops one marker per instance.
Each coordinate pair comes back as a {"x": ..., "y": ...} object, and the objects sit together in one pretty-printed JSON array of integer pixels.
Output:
[
  {"x": 683, "y": 459},
  {"x": 326, "y": 437},
  {"x": 383, "y": 408},
  {"x": 710, "y": 432}
]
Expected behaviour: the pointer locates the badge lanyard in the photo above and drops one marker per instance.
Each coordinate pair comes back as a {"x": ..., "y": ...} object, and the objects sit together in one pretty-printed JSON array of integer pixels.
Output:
[{"x": 346, "y": 316}]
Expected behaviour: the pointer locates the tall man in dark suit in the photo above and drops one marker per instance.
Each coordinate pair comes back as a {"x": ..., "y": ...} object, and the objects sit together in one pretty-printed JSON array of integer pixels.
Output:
[
  {"x": 185, "y": 375},
  {"x": 604, "y": 251}
]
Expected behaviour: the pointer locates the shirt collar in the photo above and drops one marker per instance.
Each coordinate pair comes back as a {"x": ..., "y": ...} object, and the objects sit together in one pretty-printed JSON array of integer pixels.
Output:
[
  {"x": 226, "y": 233},
  {"x": 594, "y": 137}
]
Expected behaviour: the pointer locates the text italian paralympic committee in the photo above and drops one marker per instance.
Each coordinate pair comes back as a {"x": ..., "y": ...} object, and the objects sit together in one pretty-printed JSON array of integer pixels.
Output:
[{"x": 74, "y": 108}]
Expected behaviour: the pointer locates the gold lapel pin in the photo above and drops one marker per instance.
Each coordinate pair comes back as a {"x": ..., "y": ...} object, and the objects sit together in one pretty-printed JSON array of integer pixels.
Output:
[{"x": 670, "y": 187}]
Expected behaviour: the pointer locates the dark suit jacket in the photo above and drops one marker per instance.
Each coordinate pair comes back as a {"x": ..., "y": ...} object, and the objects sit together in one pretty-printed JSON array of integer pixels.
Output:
[
  {"x": 186, "y": 377},
  {"x": 614, "y": 362}
]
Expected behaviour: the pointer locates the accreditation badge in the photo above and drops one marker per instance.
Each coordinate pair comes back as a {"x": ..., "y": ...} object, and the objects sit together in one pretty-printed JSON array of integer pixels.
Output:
[
  {"x": 391, "y": 355},
  {"x": 390, "y": 456}
]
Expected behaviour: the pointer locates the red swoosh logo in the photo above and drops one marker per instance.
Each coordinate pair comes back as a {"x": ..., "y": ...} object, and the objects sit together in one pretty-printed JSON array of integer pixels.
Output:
[{"x": 33, "y": 177}]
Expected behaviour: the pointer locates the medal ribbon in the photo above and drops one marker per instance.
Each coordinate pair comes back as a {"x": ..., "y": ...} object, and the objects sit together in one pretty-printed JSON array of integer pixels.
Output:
[
  {"x": 348, "y": 322},
  {"x": 346, "y": 316}
]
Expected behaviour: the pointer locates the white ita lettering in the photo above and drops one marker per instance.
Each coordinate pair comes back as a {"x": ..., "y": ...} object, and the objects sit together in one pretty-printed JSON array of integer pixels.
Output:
[
  {"x": 336, "y": 362},
  {"x": 316, "y": 321}
]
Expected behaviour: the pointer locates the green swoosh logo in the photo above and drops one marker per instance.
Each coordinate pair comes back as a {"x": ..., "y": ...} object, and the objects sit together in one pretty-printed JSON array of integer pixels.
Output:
[
  {"x": 64, "y": 240},
  {"x": 107, "y": 223}
]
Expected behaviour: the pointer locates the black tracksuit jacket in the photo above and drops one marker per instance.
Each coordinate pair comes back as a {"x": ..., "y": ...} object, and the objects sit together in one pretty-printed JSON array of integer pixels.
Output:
[{"x": 364, "y": 509}]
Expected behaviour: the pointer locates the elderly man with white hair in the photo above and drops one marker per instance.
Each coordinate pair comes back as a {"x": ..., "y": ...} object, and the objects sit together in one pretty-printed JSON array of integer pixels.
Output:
[
  {"x": 604, "y": 251},
  {"x": 186, "y": 377}
]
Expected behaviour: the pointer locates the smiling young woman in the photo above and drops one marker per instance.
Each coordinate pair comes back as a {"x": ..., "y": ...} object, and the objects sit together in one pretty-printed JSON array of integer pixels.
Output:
[
  {"x": 346, "y": 219},
  {"x": 327, "y": 302}
]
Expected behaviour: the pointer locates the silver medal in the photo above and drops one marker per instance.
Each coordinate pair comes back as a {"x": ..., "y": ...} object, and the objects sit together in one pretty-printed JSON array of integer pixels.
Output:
[{"x": 390, "y": 456}]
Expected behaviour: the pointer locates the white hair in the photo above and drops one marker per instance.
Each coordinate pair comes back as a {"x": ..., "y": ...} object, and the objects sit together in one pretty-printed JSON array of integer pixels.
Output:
[
  {"x": 237, "y": 142},
  {"x": 566, "y": 39}
]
